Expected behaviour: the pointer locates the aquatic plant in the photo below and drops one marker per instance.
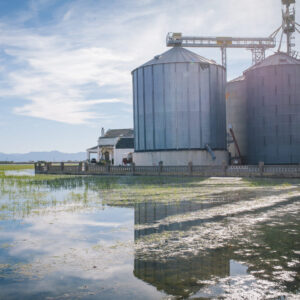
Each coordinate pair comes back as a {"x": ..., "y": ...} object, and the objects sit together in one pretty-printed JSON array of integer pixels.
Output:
[{"x": 11, "y": 167}]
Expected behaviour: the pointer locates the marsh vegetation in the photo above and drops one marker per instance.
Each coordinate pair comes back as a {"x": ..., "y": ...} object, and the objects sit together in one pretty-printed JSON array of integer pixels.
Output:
[{"x": 89, "y": 237}]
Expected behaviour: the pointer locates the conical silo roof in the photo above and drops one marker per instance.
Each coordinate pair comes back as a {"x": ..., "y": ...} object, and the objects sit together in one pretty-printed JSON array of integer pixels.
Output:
[
  {"x": 178, "y": 55},
  {"x": 237, "y": 79},
  {"x": 279, "y": 58}
]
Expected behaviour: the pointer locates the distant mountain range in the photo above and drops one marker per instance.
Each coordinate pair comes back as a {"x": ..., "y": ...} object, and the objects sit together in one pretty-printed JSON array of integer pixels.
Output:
[{"x": 54, "y": 156}]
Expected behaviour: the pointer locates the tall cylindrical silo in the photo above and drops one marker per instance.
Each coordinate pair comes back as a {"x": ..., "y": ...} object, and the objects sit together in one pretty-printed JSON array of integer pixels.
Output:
[
  {"x": 179, "y": 110},
  {"x": 273, "y": 105},
  {"x": 236, "y": 116}
]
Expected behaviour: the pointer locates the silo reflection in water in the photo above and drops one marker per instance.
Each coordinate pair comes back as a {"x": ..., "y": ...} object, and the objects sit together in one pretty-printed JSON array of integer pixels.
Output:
[{"x": 177, "y": 276}]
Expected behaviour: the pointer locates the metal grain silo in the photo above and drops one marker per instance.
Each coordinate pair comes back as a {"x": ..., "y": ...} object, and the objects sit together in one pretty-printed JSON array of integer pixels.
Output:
[
  {"x": 236, "y": 117},
  {"x": 179, "y": 110},
  {"x": 273, "y": 105}
]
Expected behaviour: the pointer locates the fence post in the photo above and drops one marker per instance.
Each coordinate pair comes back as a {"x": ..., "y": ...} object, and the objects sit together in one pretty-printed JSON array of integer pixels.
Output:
[
  {"x": 39, "y": 167},
  {"x": 261, "y": 168},
  {"x": 62, "y": 166},
  {"x": 160, "y": 167},
  {"x": 224, "y": 165},
  {"x": 190, "y": 168},
  {"x": 133, "y": 168},
  {"x": 86, "y": 167},
  {"x": 80, "y": 167},
  {"x": 47, "y": 165},
  {"x": 108, "y": 168}
]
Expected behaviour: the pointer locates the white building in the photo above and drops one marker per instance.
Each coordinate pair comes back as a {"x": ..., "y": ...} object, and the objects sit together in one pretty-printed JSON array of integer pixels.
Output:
[
  {"x": 113, "y": 146},
  {"x": 123, "y": 149}
]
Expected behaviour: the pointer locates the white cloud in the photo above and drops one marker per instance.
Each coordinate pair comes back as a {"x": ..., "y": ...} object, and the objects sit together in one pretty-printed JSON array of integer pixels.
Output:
[
  {"x": 97, "y": 44},
  {"x": 65, "y": 110}
]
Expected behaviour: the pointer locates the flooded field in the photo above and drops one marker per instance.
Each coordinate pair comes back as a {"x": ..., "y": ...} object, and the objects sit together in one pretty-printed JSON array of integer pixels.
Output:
[{"x": 68, "y": 237}]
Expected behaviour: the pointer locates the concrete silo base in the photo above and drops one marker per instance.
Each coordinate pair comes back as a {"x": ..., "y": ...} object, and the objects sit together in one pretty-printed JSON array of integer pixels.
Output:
[{"x": 180, "y": 158}]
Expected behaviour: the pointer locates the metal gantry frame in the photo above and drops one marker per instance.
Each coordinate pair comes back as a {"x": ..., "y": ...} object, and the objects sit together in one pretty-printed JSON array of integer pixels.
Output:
[
  {"x": 288, "y": 27},
  {"x": 258, "y": 46}
]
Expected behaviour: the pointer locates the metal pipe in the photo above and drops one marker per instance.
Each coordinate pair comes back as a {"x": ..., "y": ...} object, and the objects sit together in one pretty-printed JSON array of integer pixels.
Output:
[
  {"x": 279, "y": 47},
  {"x": 274, "y": 34},
  {"x": 207, "y": 147},
  {"x": 235, "y": 141}
]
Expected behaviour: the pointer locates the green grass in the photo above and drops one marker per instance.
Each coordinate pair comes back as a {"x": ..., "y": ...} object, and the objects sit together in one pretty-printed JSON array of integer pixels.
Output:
[
  {"x": 25, "y": 195},
  {"x": 10, "y": 167},
  {"x": 255, "y": 182}
]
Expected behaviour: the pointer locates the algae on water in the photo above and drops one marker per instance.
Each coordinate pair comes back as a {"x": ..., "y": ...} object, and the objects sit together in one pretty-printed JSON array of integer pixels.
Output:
[{"x": 183, "y": 237}]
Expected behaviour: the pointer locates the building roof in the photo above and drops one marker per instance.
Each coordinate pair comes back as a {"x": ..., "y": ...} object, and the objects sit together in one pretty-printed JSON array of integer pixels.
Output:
[
  {"x": 125, "y": 143},
  {"x": 178, "y": 55},
  {"x": 103, "y": 141},
  {"x": 279, "y": 58},
  {"x": 111, "y": 137},
  {"x": 240, "y": 78},
  {"x": 93, "y": 148},
  {"x": 114, "y": 133}
]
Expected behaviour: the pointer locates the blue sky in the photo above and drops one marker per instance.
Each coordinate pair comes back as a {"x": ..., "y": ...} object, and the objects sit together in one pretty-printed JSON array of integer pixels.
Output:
[{"x": 65, "y": 64}]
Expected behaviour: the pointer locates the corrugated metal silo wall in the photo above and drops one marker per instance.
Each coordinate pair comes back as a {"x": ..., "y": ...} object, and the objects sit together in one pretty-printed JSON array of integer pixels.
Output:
[
  {"x": 236, "y": 115},
  {"x": 273, "y": 103},
  {"x": 179, "y": 106}
]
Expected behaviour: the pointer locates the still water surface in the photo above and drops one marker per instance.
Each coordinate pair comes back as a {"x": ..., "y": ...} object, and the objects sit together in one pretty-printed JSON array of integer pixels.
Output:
[{"x": 148, "y": 238}]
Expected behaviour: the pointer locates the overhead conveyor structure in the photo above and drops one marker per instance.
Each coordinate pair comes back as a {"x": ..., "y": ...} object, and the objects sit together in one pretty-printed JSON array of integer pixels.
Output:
[{"x": 258, "y": 46}]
